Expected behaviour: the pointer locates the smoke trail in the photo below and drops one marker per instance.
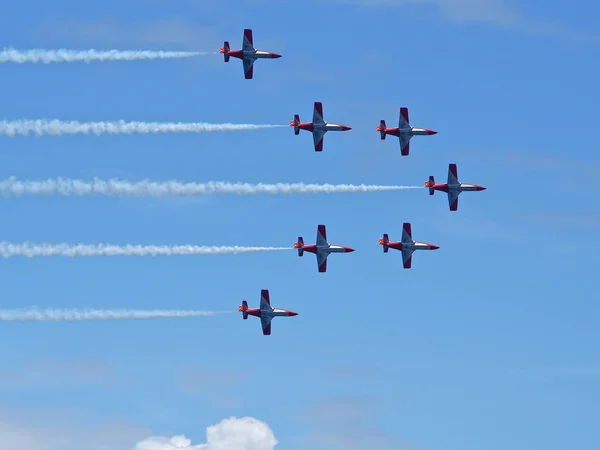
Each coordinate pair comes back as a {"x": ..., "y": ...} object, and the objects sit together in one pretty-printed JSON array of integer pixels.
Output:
[
  {"x": 70, "y": 315},
  {"x": 65, "y": 55},
  {"x": 115, "y": 187},
  {"x": 29, "y": 250},
  {"x": 41, "y": 127}
]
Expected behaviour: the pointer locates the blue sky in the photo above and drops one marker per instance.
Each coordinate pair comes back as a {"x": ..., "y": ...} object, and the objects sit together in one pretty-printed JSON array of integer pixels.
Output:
[{"x": 489, "y": 342}]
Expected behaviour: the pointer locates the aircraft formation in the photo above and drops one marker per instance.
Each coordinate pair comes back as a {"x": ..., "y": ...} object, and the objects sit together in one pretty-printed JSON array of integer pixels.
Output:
[{"x": 318, "y": 127}]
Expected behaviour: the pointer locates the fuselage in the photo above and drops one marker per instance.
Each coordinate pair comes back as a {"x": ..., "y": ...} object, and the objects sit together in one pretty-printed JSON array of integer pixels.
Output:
[
  {"x": 259, "y": 54},
  {"x": 326, "y": 249},
  {"x": 457, "y": 187},
  {"x": 309, "y": 126},
  {"x": 407, "y": 131},
  {"x": 256, "y": 312},
  {"x": 408, "y": 246}
]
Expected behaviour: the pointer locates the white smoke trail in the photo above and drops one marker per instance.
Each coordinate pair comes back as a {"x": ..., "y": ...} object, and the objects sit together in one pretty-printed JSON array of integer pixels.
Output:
[
  {"x": 42, "y": 127},
  {"x": 115, "y": 187},
  {"x": 70, "y": 315},
  {"x": 29, "y": 250},
  {"x": 64, "y": 55}
]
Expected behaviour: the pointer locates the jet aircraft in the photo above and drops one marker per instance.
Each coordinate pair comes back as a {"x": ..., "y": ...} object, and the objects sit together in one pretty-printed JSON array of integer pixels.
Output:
[
  {"x": 265, "y": 312},
  {"x": 318, "y": 126},
  {"x": 407, "y": 246},
  {"x": 322, "y": 248},
  {"x": 404, "y": 132},
  {"x": 248, "y": 54},
  {"x": 453, "y": 187}
]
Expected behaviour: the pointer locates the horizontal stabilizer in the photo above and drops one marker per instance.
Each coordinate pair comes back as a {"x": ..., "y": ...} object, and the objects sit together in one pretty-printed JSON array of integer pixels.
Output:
[
  {"x": 244, "y": 310},
  {"x": 431, "y": 184},
  {"x": 381, "y": 130},
  {"x": 299, "y": 246},
  {"x": 384, "y": 241},
  {"x": 225, "y": 51}
]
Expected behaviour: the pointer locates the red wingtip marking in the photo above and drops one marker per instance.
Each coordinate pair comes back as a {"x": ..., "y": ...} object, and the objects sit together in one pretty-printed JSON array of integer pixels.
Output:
[
  {"x": 404, "y": 113},
  {"x": 406, "y": 149},
  {"x": 267, "y": 330},
  {"x": 407, "y": 228},
  {"x": 452, "y": 168}
]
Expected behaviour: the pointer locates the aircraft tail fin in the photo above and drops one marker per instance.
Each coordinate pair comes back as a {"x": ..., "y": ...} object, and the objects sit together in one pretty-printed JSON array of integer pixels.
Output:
[
  {"x": 295, "y": 124},
  {"x": 384, "y": 241},
  {"x": 381, "y": 128},
  {"x": 244, "y": 309},
  {"x": 430, "y": 185},
  {"x": 225, "y": 51},
  {"x": 299, "y": 246}
]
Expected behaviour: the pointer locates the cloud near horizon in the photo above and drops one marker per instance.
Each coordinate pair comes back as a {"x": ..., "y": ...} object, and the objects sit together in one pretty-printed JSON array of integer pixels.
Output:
[{"x": 245, "y": 433}]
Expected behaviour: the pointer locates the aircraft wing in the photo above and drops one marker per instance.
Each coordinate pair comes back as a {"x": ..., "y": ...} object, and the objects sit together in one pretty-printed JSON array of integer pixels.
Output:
[
  {"x": 404, "y": 143},
  {"x": 265, "y": 302},
  {"x": 453, "y": 200},
  {"x": 322, "y": 261},
  {"x": 248, "y": 67},
  {"x": 318, "y": 114},
  {"x": 407, "y": 258},
  {"x": 247, "y": 44},
  {"x": 407, "y": 234},
  {"x": 403, "y": 121},
  {"x": 321, "y": 236},
  {"x": 318, "y": 135},
  {"x": 266, "y": 324},
  {"x": 452, "y": 174}
]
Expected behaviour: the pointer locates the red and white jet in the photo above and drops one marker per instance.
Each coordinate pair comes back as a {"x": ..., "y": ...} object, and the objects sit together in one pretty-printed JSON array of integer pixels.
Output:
[
  {"x": 453, "y": 187},
  {"x": 248, "y": 54},
  {"x": 318, "y": 126},
  {"x": 265, "y": 312},
  {"x": 322, "y": 248},
  {"x": 404, "y": 132},
  {"x": 407, "y": 246}
]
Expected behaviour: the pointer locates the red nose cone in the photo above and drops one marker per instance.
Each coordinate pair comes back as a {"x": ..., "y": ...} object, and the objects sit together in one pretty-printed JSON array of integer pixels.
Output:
[
  {"x": 292, "y": 313},
  {"x": 346, "y": 128},
  {"x": 481, "y": 188},
  {"x": 433, "y": 247},
  {"x": 275, "y": 55},
  {"x": 349, "y": 250},
  {"x": 431, "y": 132}
]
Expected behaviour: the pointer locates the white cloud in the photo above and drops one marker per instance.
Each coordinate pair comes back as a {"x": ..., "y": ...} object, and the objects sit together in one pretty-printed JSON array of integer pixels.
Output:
[
  {"x": 46, "y": 430},
  {"x": 244, "y": 433}
]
